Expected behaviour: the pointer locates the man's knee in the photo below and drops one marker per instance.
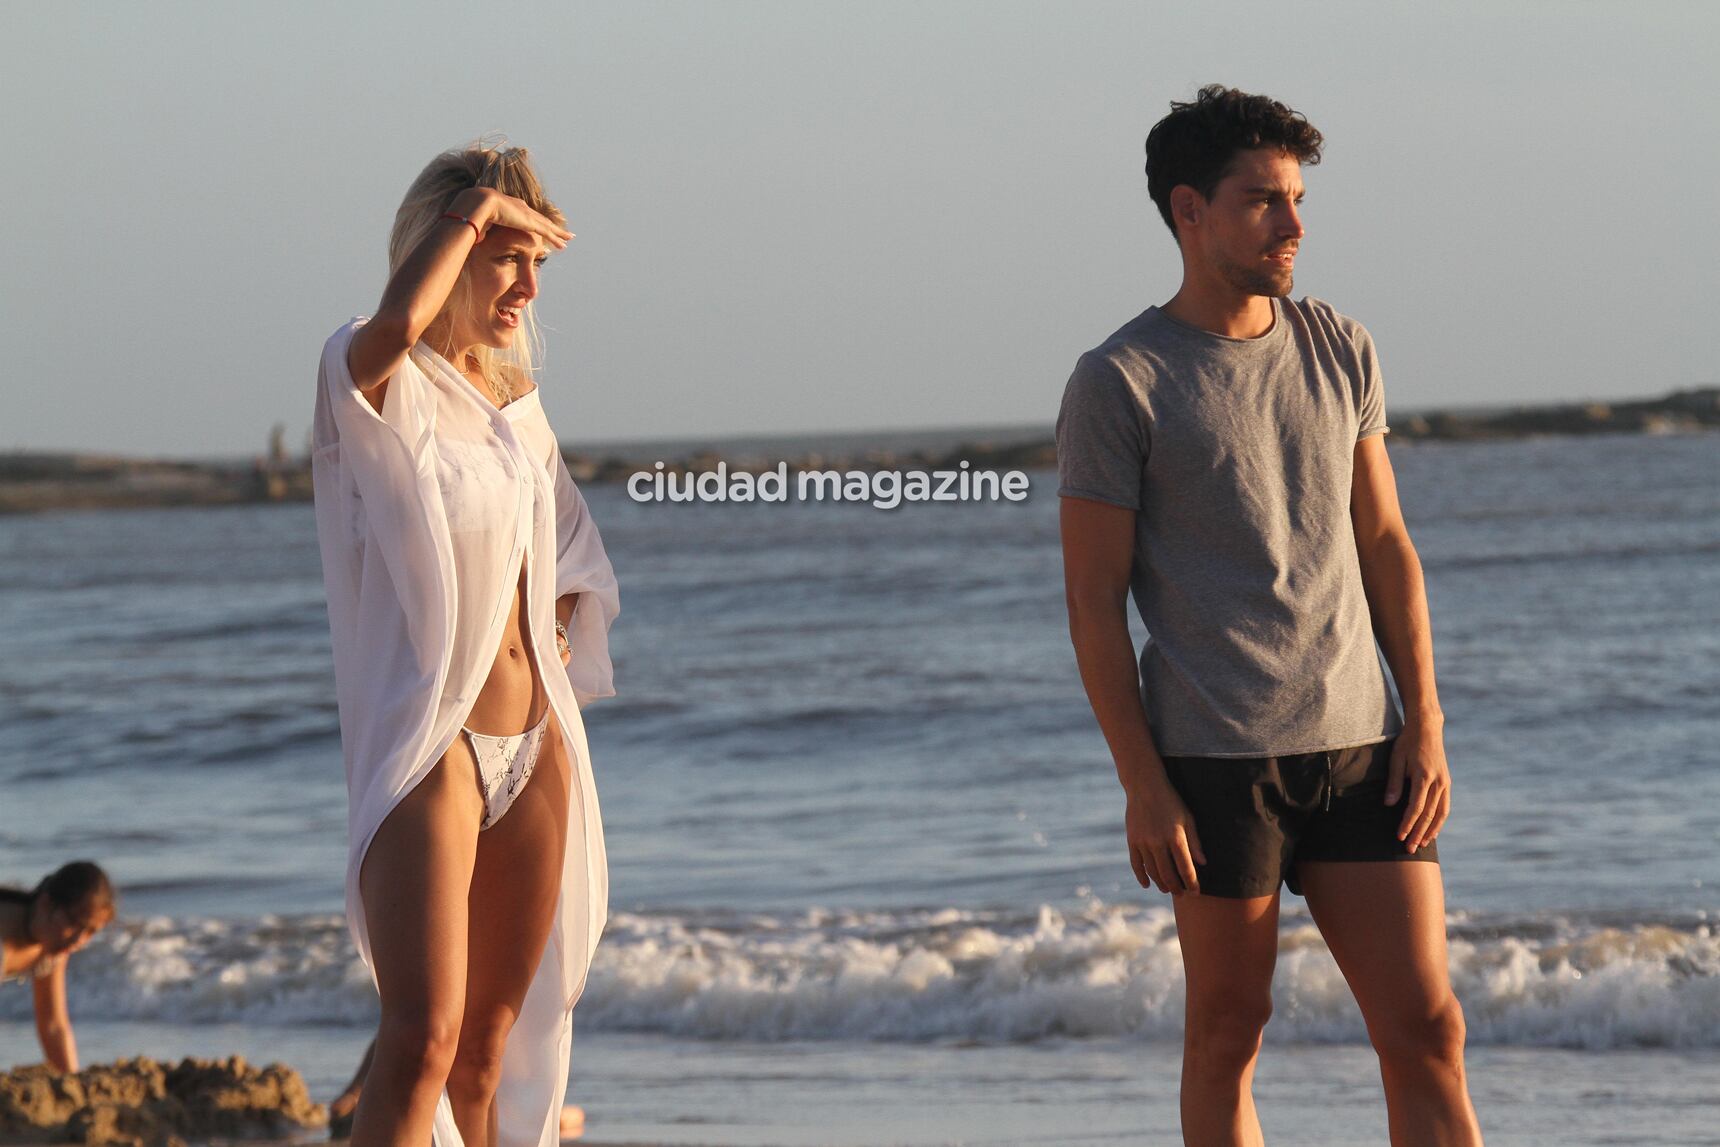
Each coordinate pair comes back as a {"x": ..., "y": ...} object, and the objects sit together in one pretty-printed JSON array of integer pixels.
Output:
[
  {"x": 1224, "y": 1034},
  {"x": 1433, "y": 1034}
]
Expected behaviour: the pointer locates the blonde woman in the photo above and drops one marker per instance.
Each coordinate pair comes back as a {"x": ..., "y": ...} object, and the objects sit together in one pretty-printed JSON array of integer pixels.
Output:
[{"x": 469, "y": 602}]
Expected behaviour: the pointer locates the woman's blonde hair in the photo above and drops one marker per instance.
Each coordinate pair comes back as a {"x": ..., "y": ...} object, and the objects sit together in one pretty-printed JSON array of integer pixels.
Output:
[{"x": 482, "y": 164}]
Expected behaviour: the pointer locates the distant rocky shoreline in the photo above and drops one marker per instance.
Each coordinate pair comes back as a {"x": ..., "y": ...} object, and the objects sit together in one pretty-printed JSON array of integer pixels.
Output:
[{"x": 36, "y": 482}]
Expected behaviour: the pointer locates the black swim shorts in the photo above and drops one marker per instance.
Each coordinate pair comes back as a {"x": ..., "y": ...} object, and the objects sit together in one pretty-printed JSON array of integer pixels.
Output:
[{"x": 1258, "y": 816}]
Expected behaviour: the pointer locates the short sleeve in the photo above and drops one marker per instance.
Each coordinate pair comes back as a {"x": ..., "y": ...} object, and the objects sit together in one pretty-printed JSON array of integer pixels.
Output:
[
  {"x": 345, "y": 415},
  {"x": 1102, "y": 442},
  {"x": 1371, "y": 411}
]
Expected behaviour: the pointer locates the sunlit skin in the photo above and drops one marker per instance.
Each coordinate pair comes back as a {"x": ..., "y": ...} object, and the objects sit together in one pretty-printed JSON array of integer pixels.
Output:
[
  {"x": 41, "y": 930},
  {"x": 459, "y": 921},
  {"x": 341, "y": 1107},
  {"x": 502, "y": 271},
  {"x": 44, "y": 929},
  {"x": 1384, "y": 923},
  {"x": 1239, "y": 247}
]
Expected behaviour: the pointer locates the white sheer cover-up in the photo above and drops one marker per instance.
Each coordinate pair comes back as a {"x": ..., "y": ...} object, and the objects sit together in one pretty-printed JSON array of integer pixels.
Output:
[{"x": 425, "y": 513}]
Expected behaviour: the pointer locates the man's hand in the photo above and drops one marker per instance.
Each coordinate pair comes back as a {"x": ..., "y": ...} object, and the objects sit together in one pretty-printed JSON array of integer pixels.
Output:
[
  {"x": 1163, "y": 844},
  {"x": 1098, "y": 554},
  {"x": 1418, "y": 764}
]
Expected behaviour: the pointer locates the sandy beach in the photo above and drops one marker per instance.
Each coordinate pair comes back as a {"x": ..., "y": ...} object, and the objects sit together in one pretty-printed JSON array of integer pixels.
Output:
[{"x": 656, "y": 1093}]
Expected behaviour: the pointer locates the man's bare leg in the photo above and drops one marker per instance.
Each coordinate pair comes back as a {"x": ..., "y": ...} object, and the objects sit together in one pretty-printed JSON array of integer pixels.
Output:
[
  {"x": 1229, "y": 950},
  {"x": 1385, "y": 925}
]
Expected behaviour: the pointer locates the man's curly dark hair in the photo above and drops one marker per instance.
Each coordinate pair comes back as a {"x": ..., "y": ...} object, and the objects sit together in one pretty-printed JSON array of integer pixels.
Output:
[{"x": 1196, "y": 143}]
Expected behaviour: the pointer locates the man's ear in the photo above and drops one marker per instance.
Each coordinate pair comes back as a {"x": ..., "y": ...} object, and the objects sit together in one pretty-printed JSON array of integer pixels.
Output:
[{"x": 1188, "y": 206}]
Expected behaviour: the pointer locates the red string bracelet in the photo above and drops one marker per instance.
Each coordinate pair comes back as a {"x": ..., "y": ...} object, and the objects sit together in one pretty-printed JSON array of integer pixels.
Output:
[{"x": 463, "y": 219}]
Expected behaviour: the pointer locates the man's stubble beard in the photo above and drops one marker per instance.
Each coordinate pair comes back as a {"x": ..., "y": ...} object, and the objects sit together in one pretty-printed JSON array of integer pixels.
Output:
[{"x": 1271, "y": 284}]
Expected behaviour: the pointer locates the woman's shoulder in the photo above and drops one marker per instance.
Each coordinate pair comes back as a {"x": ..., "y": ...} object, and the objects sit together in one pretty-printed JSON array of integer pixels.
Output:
[
  {"x": 343, "y": 333},
  {"x": 44, "y": 969},
  {"x": 40, "y": 968}
]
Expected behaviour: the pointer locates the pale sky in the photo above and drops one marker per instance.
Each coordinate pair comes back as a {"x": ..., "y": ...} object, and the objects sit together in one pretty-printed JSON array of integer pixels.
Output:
[{"x": 808, "y": 217}]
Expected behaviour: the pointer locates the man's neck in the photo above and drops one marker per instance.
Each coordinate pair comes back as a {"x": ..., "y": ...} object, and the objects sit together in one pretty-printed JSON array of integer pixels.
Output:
[{"x": 1222, "y": 311}]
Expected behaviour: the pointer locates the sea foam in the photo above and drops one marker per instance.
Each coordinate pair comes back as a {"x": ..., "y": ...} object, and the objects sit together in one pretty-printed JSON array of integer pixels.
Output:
[{"x": 1094, "y": 970}]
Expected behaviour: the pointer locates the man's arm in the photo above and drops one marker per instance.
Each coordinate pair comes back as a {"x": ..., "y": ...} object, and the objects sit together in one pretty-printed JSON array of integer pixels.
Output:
[
  {"x": 53, "y": 1023},
  {"x": 1098, "y": 549},
  {"x": 1397, "y": 601}
]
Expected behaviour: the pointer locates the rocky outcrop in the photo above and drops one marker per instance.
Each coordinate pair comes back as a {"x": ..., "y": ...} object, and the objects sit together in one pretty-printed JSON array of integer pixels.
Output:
[
  {"x": 142, "y": 1103},
  {"x": 1681, "y": 412},
  {"x": 37, "y": 482}
]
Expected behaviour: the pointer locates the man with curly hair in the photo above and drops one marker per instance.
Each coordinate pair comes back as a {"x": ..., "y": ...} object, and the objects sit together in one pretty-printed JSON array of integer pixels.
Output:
[{"x": 1222, "y": 460}]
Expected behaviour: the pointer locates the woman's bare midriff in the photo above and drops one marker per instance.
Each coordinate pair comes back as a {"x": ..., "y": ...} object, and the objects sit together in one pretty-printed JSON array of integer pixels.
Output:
[{"x": 512, "y": 698}]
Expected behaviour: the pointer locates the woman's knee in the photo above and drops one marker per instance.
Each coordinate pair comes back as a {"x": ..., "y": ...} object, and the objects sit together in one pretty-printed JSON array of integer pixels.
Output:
[
  {"x": 1433, "y": 1034},
  {"x": 1224, "y": 1033},
  {"x": 477, "y": 1067},
  {"x": 420, "y": 1044}
]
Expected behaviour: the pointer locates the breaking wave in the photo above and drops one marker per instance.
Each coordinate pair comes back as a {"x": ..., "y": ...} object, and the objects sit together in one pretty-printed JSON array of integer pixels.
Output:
[{"x": 1096, "y": 970}]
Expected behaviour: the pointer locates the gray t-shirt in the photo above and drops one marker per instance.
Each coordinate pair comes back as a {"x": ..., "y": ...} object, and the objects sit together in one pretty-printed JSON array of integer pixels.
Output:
[{"x": 1237, "y": 456}]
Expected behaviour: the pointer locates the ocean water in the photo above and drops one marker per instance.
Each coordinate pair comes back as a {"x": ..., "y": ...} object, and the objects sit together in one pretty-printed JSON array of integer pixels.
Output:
[{"x": 868, "y": 877}]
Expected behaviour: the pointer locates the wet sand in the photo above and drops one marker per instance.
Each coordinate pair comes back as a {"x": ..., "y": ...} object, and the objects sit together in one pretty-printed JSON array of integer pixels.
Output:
[{"x": 655, "y": 1092}]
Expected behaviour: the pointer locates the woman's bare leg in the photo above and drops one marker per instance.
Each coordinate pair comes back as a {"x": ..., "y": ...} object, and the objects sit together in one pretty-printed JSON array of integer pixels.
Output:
[
  {"x": 515, "y": 883},
  {"x": 414, "y": 885}
]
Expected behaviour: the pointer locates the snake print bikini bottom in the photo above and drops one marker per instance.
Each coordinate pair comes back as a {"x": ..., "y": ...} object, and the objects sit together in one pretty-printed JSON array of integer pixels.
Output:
[{"x": 504, "y": 766}]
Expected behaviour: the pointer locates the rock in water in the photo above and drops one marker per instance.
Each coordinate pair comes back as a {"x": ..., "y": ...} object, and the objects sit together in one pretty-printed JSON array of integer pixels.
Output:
[{"x": 141, "y": 1103}]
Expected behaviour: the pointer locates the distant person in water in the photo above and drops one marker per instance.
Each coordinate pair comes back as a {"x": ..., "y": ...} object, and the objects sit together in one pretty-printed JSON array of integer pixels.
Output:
[{"x": 39, "y": 930}]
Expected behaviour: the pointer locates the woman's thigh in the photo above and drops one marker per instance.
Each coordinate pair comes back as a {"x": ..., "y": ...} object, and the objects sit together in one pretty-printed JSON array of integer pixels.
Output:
[
  {"x": 414, "y": 883},
  {"x": 515, "y": 883}
]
